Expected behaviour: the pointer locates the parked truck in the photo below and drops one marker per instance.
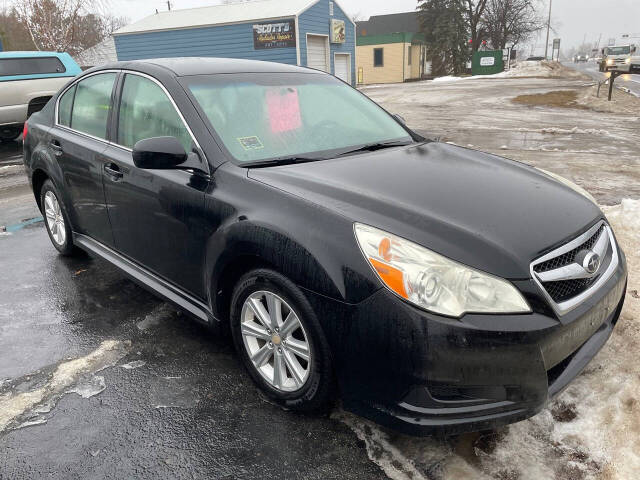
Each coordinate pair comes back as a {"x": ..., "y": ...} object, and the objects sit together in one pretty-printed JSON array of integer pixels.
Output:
[{"x": 27, "y": 81}]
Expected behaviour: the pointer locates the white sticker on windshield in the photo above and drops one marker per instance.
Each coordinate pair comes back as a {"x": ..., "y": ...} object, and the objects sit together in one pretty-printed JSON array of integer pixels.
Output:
[{"x": 251, "y": 143}]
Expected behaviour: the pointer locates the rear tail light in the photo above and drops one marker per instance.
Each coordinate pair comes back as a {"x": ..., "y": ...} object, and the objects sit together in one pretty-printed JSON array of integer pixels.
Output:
[{"x": 25, "y": 130}]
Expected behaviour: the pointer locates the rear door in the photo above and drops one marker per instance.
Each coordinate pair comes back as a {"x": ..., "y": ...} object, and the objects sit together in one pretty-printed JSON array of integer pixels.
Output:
[
  {"x": 157, "y": 216},
  {"x": 78, "y": 141}
]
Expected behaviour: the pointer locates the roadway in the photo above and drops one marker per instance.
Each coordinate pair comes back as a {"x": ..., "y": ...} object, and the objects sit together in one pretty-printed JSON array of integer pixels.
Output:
[{"x": 631, "y": 82}]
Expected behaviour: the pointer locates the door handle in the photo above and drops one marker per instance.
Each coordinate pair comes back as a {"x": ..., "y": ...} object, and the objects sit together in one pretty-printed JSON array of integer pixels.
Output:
[
  {"x": 56, "y": 147},
  {"x": 112, "y": 170}
]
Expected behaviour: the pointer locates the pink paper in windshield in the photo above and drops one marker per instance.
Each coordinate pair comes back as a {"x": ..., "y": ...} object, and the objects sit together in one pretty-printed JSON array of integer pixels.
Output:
[{"x": 284, "y": 109}]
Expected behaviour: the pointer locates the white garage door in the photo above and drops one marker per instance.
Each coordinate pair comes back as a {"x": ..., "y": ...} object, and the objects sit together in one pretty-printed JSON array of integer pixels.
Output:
[
  {"x": 341, "y": 66},
  {"x": 317, "y": 52}
]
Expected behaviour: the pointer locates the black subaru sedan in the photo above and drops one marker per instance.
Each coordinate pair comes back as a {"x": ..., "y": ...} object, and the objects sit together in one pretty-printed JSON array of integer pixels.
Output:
[{"x": 431, "y": 287}]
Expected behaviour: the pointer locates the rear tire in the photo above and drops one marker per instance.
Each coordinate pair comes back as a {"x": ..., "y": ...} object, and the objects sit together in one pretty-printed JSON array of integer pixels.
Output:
[
  {"x": 9, "y": 134},
  {"x": 56, "y": 220},
  {"x": 264, "y": 306}
]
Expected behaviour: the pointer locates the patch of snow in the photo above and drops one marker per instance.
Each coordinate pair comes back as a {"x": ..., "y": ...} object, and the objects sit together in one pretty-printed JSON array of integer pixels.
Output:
[
  {"x": 89, "y": 387},
  {"x": 14, "y": 405},
  {"x": 31, "y": 423},
  {"x": 154, "y": 318},
  {"x": 134, "y": 364},
  {"x": 574, "y": 130}
]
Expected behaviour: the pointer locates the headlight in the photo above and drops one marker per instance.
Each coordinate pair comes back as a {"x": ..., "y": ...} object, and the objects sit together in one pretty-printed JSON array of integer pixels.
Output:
[
  {"x": 610, "y": 61},
  {"x": 432, "y": 281},
  {"x": 570, "y": 184},
  {"x": 627, "y": 61}
]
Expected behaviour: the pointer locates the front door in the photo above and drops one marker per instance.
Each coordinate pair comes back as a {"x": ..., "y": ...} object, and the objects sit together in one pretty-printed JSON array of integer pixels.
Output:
[
  {"x": 78, "y": 142},
  {"x": 157, "y": 216}
]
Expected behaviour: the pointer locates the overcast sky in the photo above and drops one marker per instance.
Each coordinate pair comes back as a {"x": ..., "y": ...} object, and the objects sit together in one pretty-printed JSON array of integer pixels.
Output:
[{"x": 573, "y": 18}]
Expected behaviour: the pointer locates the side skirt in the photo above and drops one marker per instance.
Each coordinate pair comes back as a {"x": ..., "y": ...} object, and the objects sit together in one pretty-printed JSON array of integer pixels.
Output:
[{"x": 146, "y": 279}]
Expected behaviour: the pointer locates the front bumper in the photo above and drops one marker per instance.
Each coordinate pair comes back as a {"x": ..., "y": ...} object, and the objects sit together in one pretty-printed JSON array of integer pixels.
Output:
[{"x": 423, "y": 374}]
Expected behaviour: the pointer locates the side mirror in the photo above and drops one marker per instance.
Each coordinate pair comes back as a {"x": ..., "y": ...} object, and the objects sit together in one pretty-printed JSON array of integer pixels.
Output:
[
  {"x": 400, "y": 118},
  {"x": 159, "y": 153}
]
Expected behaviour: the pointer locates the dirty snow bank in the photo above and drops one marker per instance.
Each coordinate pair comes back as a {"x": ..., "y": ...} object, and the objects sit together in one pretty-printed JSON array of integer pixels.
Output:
[
  {"x": 592, "y": 431},
  {"x": 543, "y": 69},
  {"x": 526, "y": 69},
  {"x": 621, "y": 102}
]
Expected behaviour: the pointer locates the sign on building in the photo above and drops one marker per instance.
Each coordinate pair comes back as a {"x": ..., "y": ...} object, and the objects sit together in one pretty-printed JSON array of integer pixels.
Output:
[
  {"x": 337, "y": 31},
  {"x": 274, "y": 35}
]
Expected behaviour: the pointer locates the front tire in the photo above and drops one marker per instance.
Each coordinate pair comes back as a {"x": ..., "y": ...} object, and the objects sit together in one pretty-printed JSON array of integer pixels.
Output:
[
  {"x": 280, "y": 341},
  {"x": 55, "y": 219}
]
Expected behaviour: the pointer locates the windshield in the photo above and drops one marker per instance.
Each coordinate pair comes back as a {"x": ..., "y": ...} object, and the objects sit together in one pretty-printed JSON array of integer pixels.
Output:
[
  {"x": 282, "y": 115},
  {"x": 618, "y": 50}
]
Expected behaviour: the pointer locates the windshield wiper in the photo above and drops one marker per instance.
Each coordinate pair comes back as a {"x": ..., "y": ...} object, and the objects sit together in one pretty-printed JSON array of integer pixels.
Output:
[
  {"x": 281, "y": 161},
  {"x": 375, "y": 146}
]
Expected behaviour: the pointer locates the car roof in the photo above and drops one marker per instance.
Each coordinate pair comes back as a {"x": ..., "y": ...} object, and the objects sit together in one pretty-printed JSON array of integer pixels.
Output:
[{"x": 185, "y": 66}]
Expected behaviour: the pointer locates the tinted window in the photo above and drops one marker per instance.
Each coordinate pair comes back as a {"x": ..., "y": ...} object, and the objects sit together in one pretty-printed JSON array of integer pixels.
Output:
[
  {"x": 92, "y": 105},
  {"x": 377, "y": 57},
  {"x": 30, "y": 66},
  {"x": 64, "y": 107},
  {"x": 261, "y": 117},
  {"x": 146, "y": 112}
]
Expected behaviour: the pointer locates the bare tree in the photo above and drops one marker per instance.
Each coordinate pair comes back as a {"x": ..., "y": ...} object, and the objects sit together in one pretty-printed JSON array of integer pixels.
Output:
[
  {"x": 511, "y": 21},
  {"x": 357, "y": 17},
  {"x": 50, "y": 23},
  {"x": 473, "y": 14},
  {"x": 13, "y": 33},
  {"x": 66, "y": 25}
]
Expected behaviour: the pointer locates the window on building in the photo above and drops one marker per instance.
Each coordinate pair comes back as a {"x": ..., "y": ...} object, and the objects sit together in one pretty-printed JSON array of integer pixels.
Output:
[
  {"x": 409, "y": 55},
  {"x": 92, "y": 104},
  {"x": 378, "y": 57},
  {"x": 146, "y": 112},
  {"x": 331, "y": 9}
]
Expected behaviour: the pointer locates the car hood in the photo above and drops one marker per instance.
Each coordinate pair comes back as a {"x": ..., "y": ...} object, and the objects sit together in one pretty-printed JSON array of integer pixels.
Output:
[{"x": 485, "y": 211}]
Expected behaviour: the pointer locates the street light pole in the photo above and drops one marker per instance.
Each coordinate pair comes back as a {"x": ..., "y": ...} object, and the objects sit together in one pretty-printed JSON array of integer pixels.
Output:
[{"x": 546, "y": 45}]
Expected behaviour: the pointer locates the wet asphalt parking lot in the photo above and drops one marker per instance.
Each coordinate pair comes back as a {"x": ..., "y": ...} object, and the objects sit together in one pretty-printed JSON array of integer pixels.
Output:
[{"x": 101, "y": 379}]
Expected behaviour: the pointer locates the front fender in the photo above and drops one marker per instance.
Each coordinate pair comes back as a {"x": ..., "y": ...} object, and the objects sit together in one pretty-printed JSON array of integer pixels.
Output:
[{"x": 312, "y": 246}]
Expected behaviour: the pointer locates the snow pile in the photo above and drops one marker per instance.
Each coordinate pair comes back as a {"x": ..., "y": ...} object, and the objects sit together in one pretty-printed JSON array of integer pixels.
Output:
[
  {"x": 591, "y": 431},
  {"x": 621, "y": 102},
  {"x": 525, "y": 69}
]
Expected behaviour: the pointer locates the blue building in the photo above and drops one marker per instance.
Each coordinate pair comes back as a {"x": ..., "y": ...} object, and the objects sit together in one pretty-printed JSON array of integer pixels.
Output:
[{"x": 313, "y": 33}]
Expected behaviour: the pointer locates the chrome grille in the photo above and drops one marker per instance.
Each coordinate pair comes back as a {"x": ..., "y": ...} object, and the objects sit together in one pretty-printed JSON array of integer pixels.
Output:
[
  {"x": 561, "y": 275},
  {"x": 569, "y": 257}
]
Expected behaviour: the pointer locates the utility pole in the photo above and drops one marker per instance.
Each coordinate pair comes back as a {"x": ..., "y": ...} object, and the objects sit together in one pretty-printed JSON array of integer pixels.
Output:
[{"x": 546, "y": 45}]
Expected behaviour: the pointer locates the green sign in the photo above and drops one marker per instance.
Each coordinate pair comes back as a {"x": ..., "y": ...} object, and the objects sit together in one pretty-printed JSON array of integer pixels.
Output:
[{"x": 487, "y": 62}]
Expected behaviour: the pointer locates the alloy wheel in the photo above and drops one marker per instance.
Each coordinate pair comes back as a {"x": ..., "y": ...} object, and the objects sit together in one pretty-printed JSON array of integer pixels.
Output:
[
  {"x": 55, "y": 220},
  {"x": 275, "y": 341}
]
